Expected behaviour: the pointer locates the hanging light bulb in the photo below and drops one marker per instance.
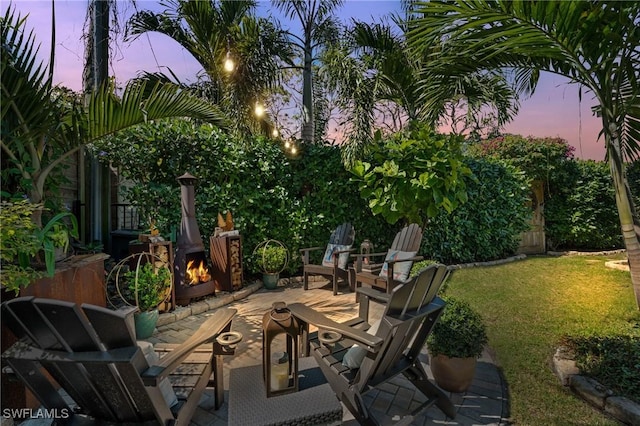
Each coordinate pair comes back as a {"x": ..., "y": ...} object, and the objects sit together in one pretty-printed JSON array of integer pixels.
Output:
[
  {"x": 294, "y": 150},
  {"x": 229, "y": 66},
  {"x": 259, "y": 110},
  {"x": 287, "y": 144},
  {"x": 274, "y": 132}
]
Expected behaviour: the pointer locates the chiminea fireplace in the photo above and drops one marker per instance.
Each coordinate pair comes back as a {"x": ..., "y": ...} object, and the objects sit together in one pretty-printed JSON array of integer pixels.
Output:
[{"x": 191, "y": 271}]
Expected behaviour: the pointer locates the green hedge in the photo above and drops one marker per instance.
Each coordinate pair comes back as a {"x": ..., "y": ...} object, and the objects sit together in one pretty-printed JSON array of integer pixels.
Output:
[
  {"x": 297, "y": 201},
  {"x": 489, "y": 224},
  {"x": 580, "y": 208}
]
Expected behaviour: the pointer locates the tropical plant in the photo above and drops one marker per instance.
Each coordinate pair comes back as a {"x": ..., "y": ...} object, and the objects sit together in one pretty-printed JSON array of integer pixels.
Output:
[
  {"x": 319, "y": 28},
  {"x": 378, "y": 79},
  {"x": 412, "y": 175},
  {"x": 459, "y": 332},
  {"x": 148, "y": 285},
  {"x": 213, "y": 31},
  {"x": 593, "y": 44},
  {"x": 40, "y": 132},
  {"x": 23, "y": 242}
]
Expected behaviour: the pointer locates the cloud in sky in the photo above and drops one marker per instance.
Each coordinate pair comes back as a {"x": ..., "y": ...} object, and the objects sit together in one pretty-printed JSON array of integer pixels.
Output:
[{"x": 553, "y": 111}]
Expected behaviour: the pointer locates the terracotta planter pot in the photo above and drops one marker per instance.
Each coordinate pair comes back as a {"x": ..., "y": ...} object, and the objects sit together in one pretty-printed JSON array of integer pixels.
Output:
[{"x": 453, "y": 374}]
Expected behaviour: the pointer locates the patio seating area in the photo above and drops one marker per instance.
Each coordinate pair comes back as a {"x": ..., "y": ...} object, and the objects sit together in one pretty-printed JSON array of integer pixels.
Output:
[
  {"x": 393, "y": 401},
  {"x": 486, "y": 402}
]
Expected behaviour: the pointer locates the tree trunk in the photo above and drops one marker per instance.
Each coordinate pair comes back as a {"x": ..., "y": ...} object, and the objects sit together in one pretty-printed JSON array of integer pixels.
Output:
[
  {"x": 308, "y": 130},
  {"x": 623, "y": 202}
]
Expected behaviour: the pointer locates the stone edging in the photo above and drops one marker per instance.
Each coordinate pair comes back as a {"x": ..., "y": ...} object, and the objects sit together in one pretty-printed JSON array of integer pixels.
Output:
[
  {"x": 619, "y": 407},
  {"x": 489, "y": 263}
]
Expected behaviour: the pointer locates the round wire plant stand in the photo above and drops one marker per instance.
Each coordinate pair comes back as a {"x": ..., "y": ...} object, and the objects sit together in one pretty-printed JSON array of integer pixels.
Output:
[
  {"x": 132, "y": 298},
  {"x": 261, "y": 253}
]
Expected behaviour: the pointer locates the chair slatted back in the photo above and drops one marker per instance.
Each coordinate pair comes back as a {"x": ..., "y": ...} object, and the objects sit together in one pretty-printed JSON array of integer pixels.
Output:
[
  {"x": 72, "y": 340},
  {"x": 343, "y": 235},
  {"x": 409, "y": 317},
  {"x": 408, "y": 239}
]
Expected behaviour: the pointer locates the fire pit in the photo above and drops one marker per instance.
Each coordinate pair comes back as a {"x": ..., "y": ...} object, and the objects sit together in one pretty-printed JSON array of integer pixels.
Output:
[{"x": 192, "y": 274}]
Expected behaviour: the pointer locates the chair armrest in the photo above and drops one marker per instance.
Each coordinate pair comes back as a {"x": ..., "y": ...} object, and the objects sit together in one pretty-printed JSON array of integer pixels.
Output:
[
  {"x": 311, "y": 316},
  {"x": 361, "y": 255},
  {"x": 302, "y": 250},
  {"x": 371, "y": 293},
  {"x": 411, "y": 259},
  {"x": 207, "y": 333}
]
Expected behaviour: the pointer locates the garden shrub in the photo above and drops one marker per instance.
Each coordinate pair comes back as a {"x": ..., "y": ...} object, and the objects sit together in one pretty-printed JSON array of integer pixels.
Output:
[
  {"x": 580, "y": 208},
  {"x": 296, "y": 201},
  {"x": 489, "y": 224},
  {"x": 614, "y": 361}
]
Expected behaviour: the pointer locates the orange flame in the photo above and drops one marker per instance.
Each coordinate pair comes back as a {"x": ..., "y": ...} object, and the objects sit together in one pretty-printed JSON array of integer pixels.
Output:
[{"x": 197, "y": 274}]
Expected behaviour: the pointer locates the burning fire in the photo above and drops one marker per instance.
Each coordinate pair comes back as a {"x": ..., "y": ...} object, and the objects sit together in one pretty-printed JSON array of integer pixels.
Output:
[{"x": 197, "y": 274}]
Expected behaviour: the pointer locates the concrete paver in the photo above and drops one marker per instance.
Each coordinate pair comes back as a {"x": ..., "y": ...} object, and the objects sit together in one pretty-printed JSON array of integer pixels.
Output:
[{"x": 485, "y": 403}]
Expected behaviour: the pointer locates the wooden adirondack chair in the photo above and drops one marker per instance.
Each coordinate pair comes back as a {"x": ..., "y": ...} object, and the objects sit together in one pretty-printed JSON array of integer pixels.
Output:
[
  {"x": 403, "y": 251},
  {"x": 410, "y": 313},
  {"x": 335, "y": 267},
  {"x": 91, "y": 352}
]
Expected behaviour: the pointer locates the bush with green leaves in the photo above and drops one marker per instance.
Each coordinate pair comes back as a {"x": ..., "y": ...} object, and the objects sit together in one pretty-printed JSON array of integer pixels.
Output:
[
  {"x": 297, "y": 200},
  {"x": 460, "y": 331},
  {"x": 270, "y": 258},
  {"x": 614, "y": 361},
  {"x": 148, "y": 285},
  {"x": 539, "y": 158},
  {"x": 413, "y": 175},
  {"x": 580, "y": 208},
  {"x": 489, "y": 224}
]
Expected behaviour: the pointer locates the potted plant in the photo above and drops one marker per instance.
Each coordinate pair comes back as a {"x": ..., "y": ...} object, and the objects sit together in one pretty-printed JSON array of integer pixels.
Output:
[
  {"x": 271, "y": 257},
  {"x": 455, "y": 343},
  {"x": 25, "y": 246},
  {"x": 148, "y": 285}
]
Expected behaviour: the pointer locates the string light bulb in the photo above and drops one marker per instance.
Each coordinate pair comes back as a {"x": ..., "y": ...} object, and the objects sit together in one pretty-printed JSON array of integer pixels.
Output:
[
  {"x": 259, "y": 110},
  {"x": 275, "y": 132},
  {"x": 294, "y": 150},
  {"x": 287, "y": 144},
  {"x": 229, "y": 65}
]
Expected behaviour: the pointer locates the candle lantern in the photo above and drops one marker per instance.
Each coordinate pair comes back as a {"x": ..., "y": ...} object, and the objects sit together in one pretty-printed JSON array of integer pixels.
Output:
[
  {"x": 280, "y": 346},
  {"x": 366, "y": 248}
]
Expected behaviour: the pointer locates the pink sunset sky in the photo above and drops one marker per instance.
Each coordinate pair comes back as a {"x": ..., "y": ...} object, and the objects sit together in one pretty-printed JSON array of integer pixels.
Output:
[{"x": 553, "y": 111}]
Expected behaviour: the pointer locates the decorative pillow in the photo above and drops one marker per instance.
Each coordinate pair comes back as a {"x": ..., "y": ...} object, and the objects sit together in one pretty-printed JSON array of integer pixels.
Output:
[
  {"x": 327, "y": 260},
  {"x": 152, "y": 357},
  {"x": 401, "y": 269},
  {"x": 356, "y": 353}
]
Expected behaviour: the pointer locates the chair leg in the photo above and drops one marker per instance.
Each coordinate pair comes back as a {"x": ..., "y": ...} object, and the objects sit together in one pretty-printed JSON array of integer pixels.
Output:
[
  {"x": 418, "y": 377},
  {"x": 305, "y": 280},
  {"x": 355, "y": 405},
  {"x": 335, "y": 284}
]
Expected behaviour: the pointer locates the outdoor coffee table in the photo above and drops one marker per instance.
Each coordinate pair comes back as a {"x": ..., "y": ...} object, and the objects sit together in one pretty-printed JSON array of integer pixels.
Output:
[{"x": 314, "y": 403}]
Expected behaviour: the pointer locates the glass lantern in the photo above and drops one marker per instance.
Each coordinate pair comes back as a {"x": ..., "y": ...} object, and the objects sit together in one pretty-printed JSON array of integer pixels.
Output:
[
  {"x": 280, "y": 346},
  {"x": 366, "y": 248}
]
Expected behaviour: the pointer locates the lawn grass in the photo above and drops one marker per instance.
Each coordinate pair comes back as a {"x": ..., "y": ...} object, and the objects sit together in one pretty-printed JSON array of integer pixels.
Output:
[{"x": 529, "y": 306}]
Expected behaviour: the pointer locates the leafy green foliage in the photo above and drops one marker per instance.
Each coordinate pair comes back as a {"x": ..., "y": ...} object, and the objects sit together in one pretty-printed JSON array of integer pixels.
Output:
[
  {"x": 614, "y": 361},
  {"x": 459, "y": 332},
  {"x": 580, "y": 208},
  {"x": 489, "y": 224},
  {"x": 22, "y": 241},
  {"x": 271, "y": 258},
  {"x": 18, "y": 243},
  {"x": 148, "y": 285},
  {"x": 298, "y": 201},
  {"x": 539, "y": 158},
  {"x": 412, "y": 175}
]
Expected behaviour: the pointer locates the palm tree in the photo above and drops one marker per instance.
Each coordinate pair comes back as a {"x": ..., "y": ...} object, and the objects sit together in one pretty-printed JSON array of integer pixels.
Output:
[
  {"x": 319, "y": 28},
  {"x": 592, "y": 43},
  {"x": 210, "y": 31},
  {"x": 374, "y": 69},
  {"x": 41, "y": 130}
]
